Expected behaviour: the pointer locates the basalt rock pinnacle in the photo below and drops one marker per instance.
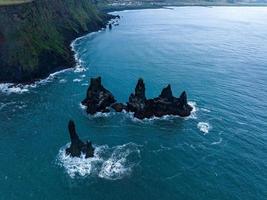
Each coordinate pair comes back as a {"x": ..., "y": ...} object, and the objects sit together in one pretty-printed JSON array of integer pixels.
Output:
[
  {"x": 77, "y": 146},
  {"x": 98, "y": 98}
]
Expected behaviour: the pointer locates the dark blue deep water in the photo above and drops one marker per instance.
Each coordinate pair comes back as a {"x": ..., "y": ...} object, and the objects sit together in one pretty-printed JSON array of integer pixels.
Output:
[{"x": 218, "y": 55}]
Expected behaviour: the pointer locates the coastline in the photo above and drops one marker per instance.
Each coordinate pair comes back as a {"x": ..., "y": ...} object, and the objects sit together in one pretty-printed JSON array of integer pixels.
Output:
[
  {"x": 74, "y": 62},
  {"x": 19, "y": 88},
  {"x": 35, "y": 37}
]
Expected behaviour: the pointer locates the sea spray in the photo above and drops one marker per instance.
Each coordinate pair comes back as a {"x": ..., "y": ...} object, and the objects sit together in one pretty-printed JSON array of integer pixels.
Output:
[{"x": 108, "y": 162}]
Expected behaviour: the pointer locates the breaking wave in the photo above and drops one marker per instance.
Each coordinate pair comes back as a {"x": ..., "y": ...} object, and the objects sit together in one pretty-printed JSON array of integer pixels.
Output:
[
  {"x": 193, "y": 114},
  {"x": 100, "y": 114},
  {"x": 79, "y": 68},
  {"x": 110, "y": 163},
  {"x": 204, "y": 127},
  {"x": 96, "y": 115},
  {"x": 163, "y": 118},
  {"x": 11, "y": 88}
]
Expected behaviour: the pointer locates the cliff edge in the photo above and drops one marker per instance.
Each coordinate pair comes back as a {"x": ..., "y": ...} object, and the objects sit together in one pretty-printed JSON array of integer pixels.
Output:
[{"x": 35, "y": 36}]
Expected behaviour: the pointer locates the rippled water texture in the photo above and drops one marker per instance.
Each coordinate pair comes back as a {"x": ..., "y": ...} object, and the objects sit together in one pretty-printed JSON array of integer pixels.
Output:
[{"x": 218, "y": 55}]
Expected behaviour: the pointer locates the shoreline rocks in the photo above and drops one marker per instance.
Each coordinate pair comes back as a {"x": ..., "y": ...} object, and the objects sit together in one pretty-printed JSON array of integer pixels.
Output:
[
  {"x": 77, "y": 146},
  {"x": 99, "y": 99}
]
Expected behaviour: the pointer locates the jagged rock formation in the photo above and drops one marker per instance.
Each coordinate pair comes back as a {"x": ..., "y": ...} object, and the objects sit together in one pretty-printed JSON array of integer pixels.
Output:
[
  {"x": 98, "y": 98},
  {"x": 165, "y": 104},
  {"x": 77, "y": 146},
  {"x": 138, "y": 99}
]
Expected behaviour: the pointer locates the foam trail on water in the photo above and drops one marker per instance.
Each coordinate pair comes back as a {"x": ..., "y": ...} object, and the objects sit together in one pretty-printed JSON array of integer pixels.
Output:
[
  {"x": 110, "y": 163},
  {"x": 82, "y": 106},
  {"x": 62, "y": 80},
  {"x": 77, "y": 80},
  {"x": 217, "y": 142},
  {"x": 121, "y": 162},
  {"x": 205, "y": 110},
  {"x": 204, "y": 127}
]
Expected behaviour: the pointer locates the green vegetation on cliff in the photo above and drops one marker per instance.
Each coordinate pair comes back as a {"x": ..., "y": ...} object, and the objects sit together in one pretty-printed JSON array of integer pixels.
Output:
[
  {"x": 9, "y": 2},
  {"x": 35, "y": 36}
]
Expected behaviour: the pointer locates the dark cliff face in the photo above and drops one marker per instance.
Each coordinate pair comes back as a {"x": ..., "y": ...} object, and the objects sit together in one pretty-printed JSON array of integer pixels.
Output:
[{"x": 35, "y": 37}]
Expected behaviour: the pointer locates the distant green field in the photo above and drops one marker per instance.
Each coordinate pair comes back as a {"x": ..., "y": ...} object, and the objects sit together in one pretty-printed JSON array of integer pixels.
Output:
[{"x": 10, "y": 2}]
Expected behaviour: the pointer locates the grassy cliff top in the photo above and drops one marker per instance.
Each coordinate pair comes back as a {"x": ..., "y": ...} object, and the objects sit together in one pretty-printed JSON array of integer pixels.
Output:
[
  {"x": 35, "y": 36},
  {"x": 12, "y": 2}
]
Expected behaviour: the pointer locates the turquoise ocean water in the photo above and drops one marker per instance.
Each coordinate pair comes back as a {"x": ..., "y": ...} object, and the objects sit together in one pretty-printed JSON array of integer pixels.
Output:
[{"x": 217, "y": 54}]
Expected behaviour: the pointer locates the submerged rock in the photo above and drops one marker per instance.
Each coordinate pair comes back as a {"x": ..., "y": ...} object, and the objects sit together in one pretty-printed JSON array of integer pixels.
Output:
[
  {"x": 98, "y": 98},
  {"x": 77, "y": 146},
  {"x": 164, "y": 104}
]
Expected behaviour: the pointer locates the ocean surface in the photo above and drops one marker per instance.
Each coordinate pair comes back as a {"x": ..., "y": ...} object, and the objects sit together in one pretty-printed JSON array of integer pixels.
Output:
[{"x": 217, "y": 54}]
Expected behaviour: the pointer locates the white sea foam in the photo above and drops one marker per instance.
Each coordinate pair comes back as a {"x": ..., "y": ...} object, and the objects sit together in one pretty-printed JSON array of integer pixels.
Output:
[
  {"x": 205, "y": 110},
  {"x": 96, "y": 115},
  {"x": 193, "y": 114},
  {"x": 217, "y": 142},
  {"x": 80, "y": 166},
  {"x": 79, "y": 62},
  {"x": 121, "y": 162},
  {"x": 130, "y": 115},
  {"x": 108, "y": 162},
  {"x": 77, "y": 80},
  {"x": 82, "y": 106},
  {"x": 79, "y": 69},
  {"x": 100, "y": 114},
  {"x": 204, "y": 127},
  {"x": 13, "y": 104},
  {"x": 9, "y": 88},
  {"x": 62, "y": 80},
  {"x": 84, "y": 84}
]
